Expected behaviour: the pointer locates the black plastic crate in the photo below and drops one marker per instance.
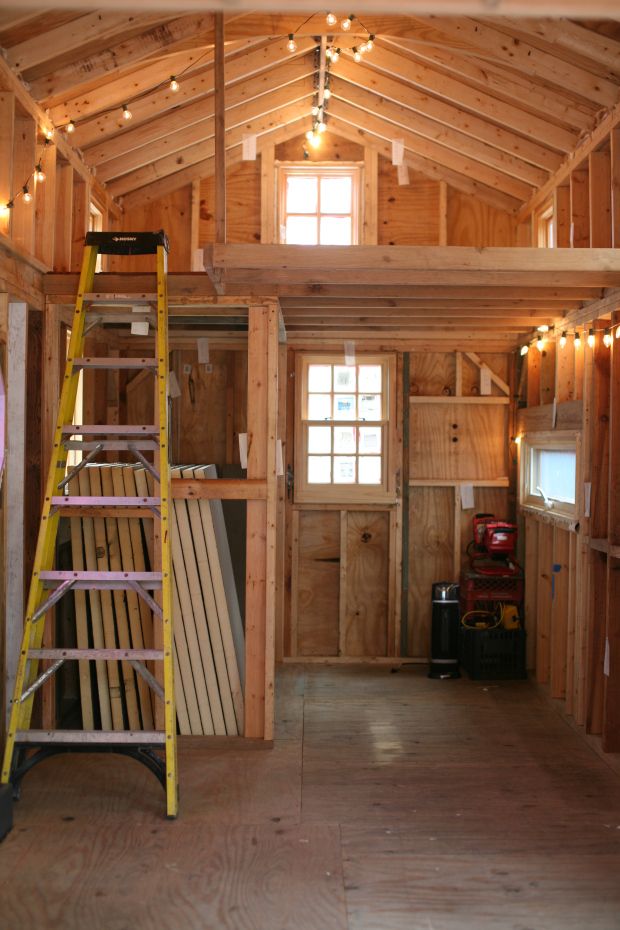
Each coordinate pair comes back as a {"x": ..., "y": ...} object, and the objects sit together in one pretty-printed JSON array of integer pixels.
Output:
[{"x": 493, "y": 654}]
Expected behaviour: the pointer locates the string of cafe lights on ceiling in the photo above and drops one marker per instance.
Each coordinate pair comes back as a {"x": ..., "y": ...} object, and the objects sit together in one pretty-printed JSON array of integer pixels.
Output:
[
  {"x": 37, "y": 175},
  {"x": 586, "y": 334}
]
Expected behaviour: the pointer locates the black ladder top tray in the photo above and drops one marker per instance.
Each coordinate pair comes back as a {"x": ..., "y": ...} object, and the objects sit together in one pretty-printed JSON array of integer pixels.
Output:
[{"x": 128, "y": 243}]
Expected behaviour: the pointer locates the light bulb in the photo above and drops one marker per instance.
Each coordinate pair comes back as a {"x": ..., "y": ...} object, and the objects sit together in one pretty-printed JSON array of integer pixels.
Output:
[
  {"x": 563, "y": 339},
  {"x": 127, "y": 114},
  {"x": 362, "y": 47},
  {"x": 27, "y": 194},
  {"x": 335, "y": 54},
  {"x": 517, "y": 440},
  {"x": 328, "y": 53},
  {"x": 618, "y": 332},
  {"x": 39, "y": 173},
  {"x": 370, "y": 43},
  {"x": 49, "y": 134},
  {"x": 357, "y": 55},
  {"x": 577, "y": 340},
  {"x": 327, "y": 93},
  {"x": 174, "y": 84},
  {"x": 322, "y": 127},
  {"x": 525, "y": 350},
  {"x": 315, "y": 140},
  {"x": 309, "y": 135},
  {"x": 291, "y": 44},
  {"x": 346, "y": 23},
  {"x": 543, "y": 329},
  {"x": 315, "y": 110},
  {"x": 591, "y": 338},
  {"x": 70, "y": 126},
  {"x": 5, "y": 208},
  {"x": 607, "y": 339},
  {"x": 331, "y": 19},
  {"x": 540, "y": 343}
]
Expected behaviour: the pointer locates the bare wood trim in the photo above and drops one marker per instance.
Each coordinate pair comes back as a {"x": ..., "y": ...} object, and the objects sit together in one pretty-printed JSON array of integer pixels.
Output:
[{"x": 223, "y": 489}]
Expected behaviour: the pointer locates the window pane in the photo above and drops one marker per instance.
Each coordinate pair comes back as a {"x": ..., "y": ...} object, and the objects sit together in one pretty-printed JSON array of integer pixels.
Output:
[
  {"x": 344, "y": 439},
  {"x": 555, "y": 473},
  {"x": 344, "y": 469},
  {"x": 301, "y": 195},
  {"x": 370, "y": 469},
  {"x": 370, "y": 378},
  {"x": 319, "y": 378},
  {"x": 369, "y": 440},
  {"x": 319, "y": 469},
  {"x": 319, "y": 439},
  {"x": 344, "y": 407},
  {"x": 344, "y": 378},
  {"x": 301, "y": 230},
  {"x": 319, "y": 406},
  {"x": 335, "y": 230},
  {"x": 370, "y": 406},
  {"x": 336, "y": 195}
]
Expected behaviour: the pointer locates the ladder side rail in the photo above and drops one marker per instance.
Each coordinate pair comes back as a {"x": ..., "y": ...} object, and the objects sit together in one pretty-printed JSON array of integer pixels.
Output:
[{"x": 27, "y": 670}]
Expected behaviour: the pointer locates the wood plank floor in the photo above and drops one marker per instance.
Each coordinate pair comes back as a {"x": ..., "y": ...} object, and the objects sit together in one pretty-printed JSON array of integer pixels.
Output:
[{"x": 389, "y": 801}]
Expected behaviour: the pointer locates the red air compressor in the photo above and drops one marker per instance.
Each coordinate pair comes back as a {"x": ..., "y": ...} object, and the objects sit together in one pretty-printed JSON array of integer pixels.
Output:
[{"x": 492, "y": 550}]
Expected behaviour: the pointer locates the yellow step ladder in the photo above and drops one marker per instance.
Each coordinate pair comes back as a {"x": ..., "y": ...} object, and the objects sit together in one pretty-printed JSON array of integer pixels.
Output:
[{"x": 154, "y": 587}]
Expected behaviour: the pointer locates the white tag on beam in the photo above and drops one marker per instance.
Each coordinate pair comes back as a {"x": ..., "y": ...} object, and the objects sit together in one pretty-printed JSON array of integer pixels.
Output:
[
  {"x": 203, "y": 351},
  {"x": 248, "y": 147},
  {"x": 243, "y": 450},
  {"x": 398, "y": 151},
  {"x": 402, "y": 173},
  {"x": 349, "y": 352},
  {"x": 174, "y": 389}
]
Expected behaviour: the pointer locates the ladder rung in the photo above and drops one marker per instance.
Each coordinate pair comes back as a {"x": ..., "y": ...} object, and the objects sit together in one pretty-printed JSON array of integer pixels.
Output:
[
  {"x": 113, "y": 363},
  {"x": 153, "y": 655},
  {"x": 70, "y": 501},
  {"x": 84, "y": 737},
  {"x": 107, "y": 430},
  {"x": 122, "y": 300},
  {"x": 112, "y": 445},
  {"x": 117, "y": 580}
]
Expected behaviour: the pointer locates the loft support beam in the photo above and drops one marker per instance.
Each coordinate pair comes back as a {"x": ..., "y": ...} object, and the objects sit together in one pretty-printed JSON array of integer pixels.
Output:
[{"x": 261, "y": 521}]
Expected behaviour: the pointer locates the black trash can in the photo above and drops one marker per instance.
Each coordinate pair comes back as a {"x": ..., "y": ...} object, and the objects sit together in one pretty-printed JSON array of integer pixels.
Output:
[{"x": 445, "y": 628}]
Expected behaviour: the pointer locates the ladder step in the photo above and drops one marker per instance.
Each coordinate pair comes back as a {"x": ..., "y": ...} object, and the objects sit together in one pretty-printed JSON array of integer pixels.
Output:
[
  {"x": 116, "y": 580},
  {"x": 120, "y": 300},
  {"x": 112, "y": 445},
  {"x": 106, "y": 430},
  {"x": 113, "y": 363},
  {"x": 153, "y": 655},
  {"x": 70, "y": 501},
  {"x": 84, "y": 737}
]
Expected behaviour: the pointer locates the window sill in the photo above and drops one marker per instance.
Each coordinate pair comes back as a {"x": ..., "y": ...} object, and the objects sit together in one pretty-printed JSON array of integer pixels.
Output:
[{"x": 555, "y": 517}]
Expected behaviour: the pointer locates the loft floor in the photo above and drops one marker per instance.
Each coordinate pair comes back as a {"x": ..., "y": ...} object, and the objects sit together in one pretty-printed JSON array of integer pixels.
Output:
[{"x": 389, "y": 801}]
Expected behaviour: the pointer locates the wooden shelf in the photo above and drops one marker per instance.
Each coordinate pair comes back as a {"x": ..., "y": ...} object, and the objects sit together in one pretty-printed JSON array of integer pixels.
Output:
[{"x": 452, "y": 399}]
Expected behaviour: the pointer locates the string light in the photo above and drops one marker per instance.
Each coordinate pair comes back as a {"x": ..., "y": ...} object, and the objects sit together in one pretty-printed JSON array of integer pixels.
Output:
[
  {"x": 331, "y": 19},
  {"x": 49, "y": 134},
  {"x": 291, "y": 44},
  {"x": 618, "y": 331},
  {"x": 327, "y": 93},
  {"x": 322, "y": 126},
  {"x": 39, "y": 173},
  {"x": 540, "y": 343},
  {"x": 127, "y": 114},
  {"x": 347, "y": 22},
  {"x": 335, "y": 54},
  {"x": 370, "y": 43},
  {"x": 174, "y": 84},
  {"x": 525, "y": 349},
  {"x": 591, "y": 338},
  {"x": 563, "y": 339},
  {"x": 543, "y": 329},
  {"x": 607, "y": 340},
  {"x": 577, "y": 339},
  {"x": 357, "y": 55},
  {"x": 6, "y": 208},
  {"x": 70, "y": 126},
  {"x": 27, "y": 194}
]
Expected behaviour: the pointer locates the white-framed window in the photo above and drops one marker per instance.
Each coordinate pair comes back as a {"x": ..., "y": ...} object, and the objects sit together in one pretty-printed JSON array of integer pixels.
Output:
[
  {"x": 319, "y": 204},
  {"x": 95, "y": 224},
  {"x": 345, "y": 412},
  {"x": 545, "y": 226},
  {"x": 549, "y": 473}
]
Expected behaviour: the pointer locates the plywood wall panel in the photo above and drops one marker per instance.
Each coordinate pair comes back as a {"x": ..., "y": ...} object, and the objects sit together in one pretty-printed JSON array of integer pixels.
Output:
[
  {"x": 243, "y": 217},
  {"x": 171, "y": 213},
  {"x": 497, "y": 362},
  {"x": 201, "y": 408},
  {"x": 332, "y": 148},
  {"x": 432, "y": 373},
  {"x": 318, "y": 583},
  {"x": 458, "y": 441},
  {"x": 364, "y": 624},
  {"x": 473, "y": 223},
  {"x": 408, "y": 214},
  {"x": 431, "y": 529}
]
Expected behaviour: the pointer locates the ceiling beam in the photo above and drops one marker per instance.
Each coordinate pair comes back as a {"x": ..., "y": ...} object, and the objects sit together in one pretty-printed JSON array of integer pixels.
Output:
[
  {"x": 526, "y": 58},
  {"x": 599, "y": 9},
  {"x": 562, "y": 35},
  {"x": 439, "y": 154},
  {"x": 355, "y": 91},
  {"x": 448, "y": 115},
  {"x": 494, "y": 198},
  {"x": 471, "y": 99}
]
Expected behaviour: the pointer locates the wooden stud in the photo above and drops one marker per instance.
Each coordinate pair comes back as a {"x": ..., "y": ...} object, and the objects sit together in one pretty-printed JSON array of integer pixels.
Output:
[
  {"x": 559, "y": 612},
  {"x": 371, "y": 206},
  {"x": 220, "y": 131},
  {"x": 268, "y": 195},
  {"x": 580, "y": 208},
  {"x": 600, "y": 198},
  {"x": 615, "y": 186},
  {"x": 7, "y": 121}
]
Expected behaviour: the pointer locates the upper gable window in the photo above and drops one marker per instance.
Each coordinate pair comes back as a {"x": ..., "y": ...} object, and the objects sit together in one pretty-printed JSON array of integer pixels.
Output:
[{"x": 319, "y": 204}]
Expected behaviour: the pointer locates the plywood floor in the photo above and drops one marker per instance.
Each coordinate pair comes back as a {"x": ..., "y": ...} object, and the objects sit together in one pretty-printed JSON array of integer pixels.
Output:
[{"x": 388, "y": 802}]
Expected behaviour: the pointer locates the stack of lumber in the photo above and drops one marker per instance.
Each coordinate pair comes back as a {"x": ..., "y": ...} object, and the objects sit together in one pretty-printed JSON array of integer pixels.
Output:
[{"x": 208, "y": 632}]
